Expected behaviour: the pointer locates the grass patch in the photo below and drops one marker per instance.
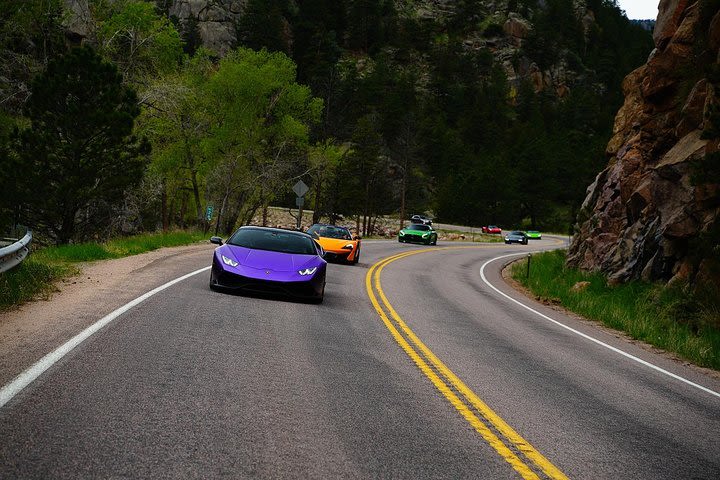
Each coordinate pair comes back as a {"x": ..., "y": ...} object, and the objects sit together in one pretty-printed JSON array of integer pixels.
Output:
[
  {"x": 37, "y": 275},
  {"x": 670, "y": 318},
  {"x": 30, "y": 280}
]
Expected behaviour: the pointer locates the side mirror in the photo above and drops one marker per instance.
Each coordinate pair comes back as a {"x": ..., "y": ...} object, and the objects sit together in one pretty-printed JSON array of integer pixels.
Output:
[
  {"x": 216, "y": 240},
  {"x": 357, "y": 237}
]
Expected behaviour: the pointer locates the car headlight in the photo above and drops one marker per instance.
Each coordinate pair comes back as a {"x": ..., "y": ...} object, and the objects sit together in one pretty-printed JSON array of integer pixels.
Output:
[
  {"x": 229, "y": 261},
  {"x": 349, "y": 246},
  {"x": 425, "y": 235},
  {"x": 402, "y": 233},
  {"x": 307, "y": 271}
]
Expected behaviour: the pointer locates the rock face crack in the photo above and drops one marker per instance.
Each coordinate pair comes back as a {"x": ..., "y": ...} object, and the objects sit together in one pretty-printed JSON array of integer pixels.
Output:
[{"x": 642, "y": 210}]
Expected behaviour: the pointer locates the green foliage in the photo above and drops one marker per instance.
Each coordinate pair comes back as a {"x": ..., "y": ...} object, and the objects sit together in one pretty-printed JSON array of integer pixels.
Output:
[
  {"x": 263, "y": 26},
  {"x": 116, "y": 247},
  {"x": 79, "y": 152},
  {"x": 324, "y": 160},
  {"x": 237, "y": 131},
  {"x": 190, "y": 33},
  {"x": 372, "y": 25},
  {"x": 671, "y": 318},
  {"x": 31, "y": 34},
  {"x": 139, "y": 41}
]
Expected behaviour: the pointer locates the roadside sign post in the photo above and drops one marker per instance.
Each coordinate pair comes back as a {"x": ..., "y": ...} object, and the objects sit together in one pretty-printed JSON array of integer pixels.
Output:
[
  {"x": 300, "y": 190},
  {"x": 529, "y": 258}
]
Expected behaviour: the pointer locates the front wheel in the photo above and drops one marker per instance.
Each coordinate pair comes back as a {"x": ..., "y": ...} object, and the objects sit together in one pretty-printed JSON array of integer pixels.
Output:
[{"x": 319, "y": 300}]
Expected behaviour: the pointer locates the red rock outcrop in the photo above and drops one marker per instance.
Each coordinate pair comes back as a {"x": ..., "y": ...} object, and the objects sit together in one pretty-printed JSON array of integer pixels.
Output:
[{"x": 643, "y": 210}]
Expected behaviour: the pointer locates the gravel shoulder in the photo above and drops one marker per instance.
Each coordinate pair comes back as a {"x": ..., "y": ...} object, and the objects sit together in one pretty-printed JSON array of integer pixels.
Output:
[{"x": 34, "y": 329}]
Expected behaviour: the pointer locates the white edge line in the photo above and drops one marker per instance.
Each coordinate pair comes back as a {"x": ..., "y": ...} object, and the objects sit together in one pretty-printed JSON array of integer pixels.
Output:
[
  {"x": 587, "y": 337},
  {"x": 31, "y": 374}
]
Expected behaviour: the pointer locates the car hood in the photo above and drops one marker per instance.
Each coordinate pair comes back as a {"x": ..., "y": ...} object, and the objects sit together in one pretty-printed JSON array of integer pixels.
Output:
[
  {"x": 334, "y": 244},
  {"x": 421, "y": 232},
  {"x": 267, "y": 260}
]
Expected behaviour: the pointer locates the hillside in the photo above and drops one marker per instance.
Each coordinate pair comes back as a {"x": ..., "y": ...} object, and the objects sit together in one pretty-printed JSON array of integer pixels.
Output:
[
  {"x": 653, "y": 212},
  {"x": 475, "y": 111},
  {"x": 497, "y": 90}
]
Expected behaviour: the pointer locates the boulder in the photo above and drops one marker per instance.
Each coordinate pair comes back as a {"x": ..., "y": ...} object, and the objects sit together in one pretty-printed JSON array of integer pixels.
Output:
[{"x": 517, "y": 27}]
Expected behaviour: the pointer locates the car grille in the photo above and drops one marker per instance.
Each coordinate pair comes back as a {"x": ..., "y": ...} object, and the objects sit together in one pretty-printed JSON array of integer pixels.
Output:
[
  {"x": 414, "y": 238},
  {"x": 335, "y": 257}
]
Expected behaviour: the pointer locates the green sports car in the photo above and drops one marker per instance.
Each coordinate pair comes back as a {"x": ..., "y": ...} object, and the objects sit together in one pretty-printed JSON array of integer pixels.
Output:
[
  {"x": 533, "y": 235},
  {"x": 418, "y": 233}
]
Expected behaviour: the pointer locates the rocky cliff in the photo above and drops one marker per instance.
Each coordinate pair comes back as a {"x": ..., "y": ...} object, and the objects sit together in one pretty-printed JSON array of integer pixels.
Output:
[
  {"x": 645, "y": 212},
  {"x": 216, "y": 20}
]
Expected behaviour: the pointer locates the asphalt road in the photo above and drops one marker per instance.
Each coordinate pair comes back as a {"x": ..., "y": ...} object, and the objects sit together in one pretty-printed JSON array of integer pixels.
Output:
[{"x": 441, "y": 377}]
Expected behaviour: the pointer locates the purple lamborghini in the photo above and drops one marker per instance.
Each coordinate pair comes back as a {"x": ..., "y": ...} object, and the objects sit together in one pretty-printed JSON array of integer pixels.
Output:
[{"x": 270, "y": 260}]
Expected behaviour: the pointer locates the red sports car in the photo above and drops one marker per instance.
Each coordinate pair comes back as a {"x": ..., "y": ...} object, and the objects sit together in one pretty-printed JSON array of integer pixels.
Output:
[{"x": 491, "y": 229}]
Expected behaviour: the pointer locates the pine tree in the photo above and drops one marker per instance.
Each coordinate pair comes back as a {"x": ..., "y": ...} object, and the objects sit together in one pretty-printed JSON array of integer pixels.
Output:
[{"x": 79, "y": 150}]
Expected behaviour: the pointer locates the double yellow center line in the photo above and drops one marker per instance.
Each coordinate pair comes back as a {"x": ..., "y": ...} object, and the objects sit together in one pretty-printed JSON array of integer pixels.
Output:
[{"x": 522, "y": 456}]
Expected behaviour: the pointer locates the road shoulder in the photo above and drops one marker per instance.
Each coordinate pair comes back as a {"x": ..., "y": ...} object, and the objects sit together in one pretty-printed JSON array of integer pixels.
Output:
[
  {"x": 35, "y": 328},
  {"x": 524, "y": 292}
]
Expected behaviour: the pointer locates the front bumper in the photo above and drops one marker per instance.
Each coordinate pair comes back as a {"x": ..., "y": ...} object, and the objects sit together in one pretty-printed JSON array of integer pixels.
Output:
[
  {"x": 410, "y": 238},
  {"x": 311, "y": 288},
  {"x": 340, "y": 255}
]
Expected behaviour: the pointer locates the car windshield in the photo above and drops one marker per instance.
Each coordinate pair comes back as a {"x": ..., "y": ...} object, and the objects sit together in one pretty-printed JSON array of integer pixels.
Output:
[
  {"x": 331, "y": 231},
  {"x": 517, "y": 233},
  {"x": 418, "y": 226},
  {"x": 492, "y": 226},
  {"x": 274, "y": 241}
]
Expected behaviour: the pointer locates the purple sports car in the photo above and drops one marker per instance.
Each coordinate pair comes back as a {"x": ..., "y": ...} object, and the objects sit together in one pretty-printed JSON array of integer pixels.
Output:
[{"x": 270, "y": 260}]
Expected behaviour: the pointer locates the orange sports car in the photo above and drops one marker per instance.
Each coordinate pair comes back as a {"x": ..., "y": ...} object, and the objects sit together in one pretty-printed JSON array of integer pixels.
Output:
[{"x": 337, "y": 242}]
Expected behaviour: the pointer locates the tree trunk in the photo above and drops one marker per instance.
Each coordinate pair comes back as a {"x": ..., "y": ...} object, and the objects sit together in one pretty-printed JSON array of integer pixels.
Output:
[
  {"x": 220, "y": 213},
  {"x": 196, "y": 196},
  {"x": 183, "y": 210},
  {"x": 171, "y": 212},
  {"x": 67, "y": 229},
  {"x": 318, "y": 191},
  {"x": 164, "y": 206}
]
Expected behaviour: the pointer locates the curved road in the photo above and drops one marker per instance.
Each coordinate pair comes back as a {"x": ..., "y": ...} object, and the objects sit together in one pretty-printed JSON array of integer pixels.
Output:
[{"x": 411, "y": 368}]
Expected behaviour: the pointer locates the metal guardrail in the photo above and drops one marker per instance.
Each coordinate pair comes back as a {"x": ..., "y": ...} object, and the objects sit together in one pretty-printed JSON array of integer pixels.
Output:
[{"x": 12, "y": 255}]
